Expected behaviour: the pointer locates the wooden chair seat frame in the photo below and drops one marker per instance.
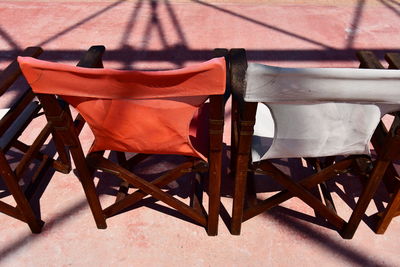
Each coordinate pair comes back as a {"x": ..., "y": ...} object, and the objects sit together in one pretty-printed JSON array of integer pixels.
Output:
[
  {"x": 60, "y": 117},
  {"x": 11, "y": 177},
  {"x": 243, "y": 120}
]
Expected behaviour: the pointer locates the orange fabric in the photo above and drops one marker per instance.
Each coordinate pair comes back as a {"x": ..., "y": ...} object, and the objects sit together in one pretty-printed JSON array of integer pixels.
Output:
[{"x": 135, "y": 111}]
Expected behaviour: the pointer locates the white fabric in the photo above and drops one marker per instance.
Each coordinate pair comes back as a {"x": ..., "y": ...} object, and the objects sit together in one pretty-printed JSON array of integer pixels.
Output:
[
  {"x": 3, "y": 112},
  {"x": 318, "y": 112}
]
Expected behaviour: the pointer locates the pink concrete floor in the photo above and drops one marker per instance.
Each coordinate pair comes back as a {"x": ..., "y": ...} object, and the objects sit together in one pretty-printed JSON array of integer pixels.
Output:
[{"x": 172, "y": 34}]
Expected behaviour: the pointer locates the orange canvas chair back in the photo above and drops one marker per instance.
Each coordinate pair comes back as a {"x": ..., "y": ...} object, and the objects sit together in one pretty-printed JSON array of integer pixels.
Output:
[
  {"x": 146, "y": 112},
  {"x": 125, "y": 109}
]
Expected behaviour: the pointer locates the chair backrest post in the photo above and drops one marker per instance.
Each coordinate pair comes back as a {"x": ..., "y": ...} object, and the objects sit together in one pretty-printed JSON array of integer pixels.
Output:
[
  {"x": 60, "y": 120},
  {"x": 60, "y": 116},
  {"x": 217, "y": 113},
  {"x": 243, "y": 123}
]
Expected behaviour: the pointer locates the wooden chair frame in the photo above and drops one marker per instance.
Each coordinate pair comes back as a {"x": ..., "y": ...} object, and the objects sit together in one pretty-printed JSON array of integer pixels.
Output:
[
  {"x": 23, "y": 210},
  {"x": 243, "y": 120},
  {"x": 61, "y": 120},
  {"x": 391, "y": 178}
]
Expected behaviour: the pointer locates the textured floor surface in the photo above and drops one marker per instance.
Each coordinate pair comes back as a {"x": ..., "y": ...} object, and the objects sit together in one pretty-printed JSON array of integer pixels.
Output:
[{"x": 171, "y": 34}]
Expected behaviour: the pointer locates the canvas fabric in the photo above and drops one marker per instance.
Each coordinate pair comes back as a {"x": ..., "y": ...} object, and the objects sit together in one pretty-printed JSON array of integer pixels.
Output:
[
  {"x": 134, "y": 111},
  {"x": 316, "y": 112}
]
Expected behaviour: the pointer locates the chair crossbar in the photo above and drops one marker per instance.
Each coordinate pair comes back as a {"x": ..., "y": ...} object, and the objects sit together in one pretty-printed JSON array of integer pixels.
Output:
[
  {"x": 138, "y": 195},
  {"x": 33, "y": 149},
  {"x": 302, "y": 193},
  {"x": 306, "y": 183},
  {"x": 11, "y": 211},
  {"x": 149, "y": 188}
]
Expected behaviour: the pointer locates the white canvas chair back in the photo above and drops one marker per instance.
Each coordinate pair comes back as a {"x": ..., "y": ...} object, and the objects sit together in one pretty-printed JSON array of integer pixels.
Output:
[{"x": 318, "y": 112}]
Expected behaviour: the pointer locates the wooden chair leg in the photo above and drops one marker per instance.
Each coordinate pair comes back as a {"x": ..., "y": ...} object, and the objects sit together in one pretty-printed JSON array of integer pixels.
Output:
[
  {"x": 124, "y": 186},
  {"x": 214, "y": 190},
  {"x": 89, "y": 187},
  {"x": 362, "y": 204},
  {"x": 239, "y": 194},
  {"x": 391, "y": 211},
  {"x": 23, "y": 205},
  {"x": 196, "y": 196}
]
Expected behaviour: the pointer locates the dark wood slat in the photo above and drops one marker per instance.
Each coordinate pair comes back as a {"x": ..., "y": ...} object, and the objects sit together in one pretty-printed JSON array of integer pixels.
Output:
[
  {"x": 196, "y": 198},
  {"x": 368, "y": 60},
  {"x": 316, "y": 164},
  {"x": 56, "y": 164},
  {"x": 11, "y": 72},
  {"x": 391, "y": 210},
  {"x": 79, "y": 122},
  {"x": 37, "y": 177},
  {"x": 393, "y": 59},
  {"x": 365, "y": 198},
  {"x": 33, "y": 149},
  {"x": 15, "y": 110}
]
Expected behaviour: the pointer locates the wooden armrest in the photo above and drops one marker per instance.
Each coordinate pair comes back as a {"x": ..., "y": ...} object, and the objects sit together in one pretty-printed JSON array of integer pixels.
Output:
[
  {"x": 7, "y": 78},
  {"x": 11, "y": 73},
  {"x": 18, "y": 125}
]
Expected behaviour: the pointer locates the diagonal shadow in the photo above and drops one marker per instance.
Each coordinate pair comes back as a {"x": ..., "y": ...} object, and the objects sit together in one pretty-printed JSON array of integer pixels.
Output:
[
  {"x": 9, "y": 39},
  {"x": 175, "y": 21},
  {"x": 389, "y": 4},
  {"x": 131, "y": 24},
  {"x": 83, "y": 21},
  {"x": 29, "y": 238},
  {"x": 353, "y": 256},
  {"x": 394, "y": 2},
  {"x": 154, "y": 22},
  {"x": 295, "y": 35},
  {"x": 357, "y": 16}
]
